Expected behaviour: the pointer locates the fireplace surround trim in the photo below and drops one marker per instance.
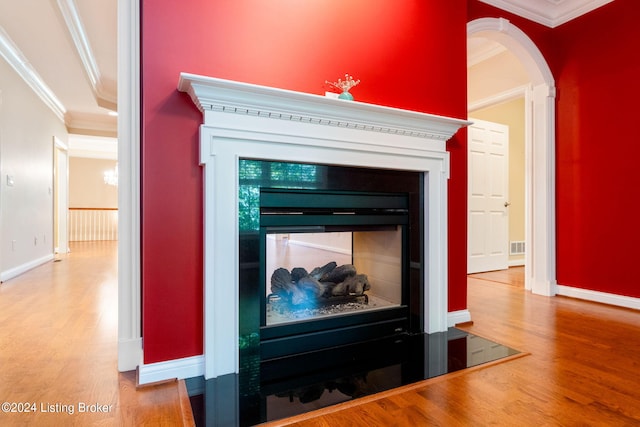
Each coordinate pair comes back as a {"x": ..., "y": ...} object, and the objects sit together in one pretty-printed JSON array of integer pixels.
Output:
[{"x": 256, "y": 122}]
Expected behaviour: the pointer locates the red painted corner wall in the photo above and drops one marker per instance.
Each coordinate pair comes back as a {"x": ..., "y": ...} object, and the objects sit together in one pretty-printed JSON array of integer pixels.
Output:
[
  {"x": 595, "y": 64},
  {"x": 408, "y": 54}
]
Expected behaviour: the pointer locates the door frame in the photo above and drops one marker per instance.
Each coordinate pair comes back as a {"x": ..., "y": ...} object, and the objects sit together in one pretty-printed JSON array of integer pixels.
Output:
[
  {"x": 60, "y": 196},
  {"x": 129, "y": 268},
  {"x": 540, "y": 257}
]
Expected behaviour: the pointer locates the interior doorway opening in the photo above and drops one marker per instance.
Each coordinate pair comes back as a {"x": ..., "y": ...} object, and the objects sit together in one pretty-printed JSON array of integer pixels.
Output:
[{"x": 539, "y": 95}]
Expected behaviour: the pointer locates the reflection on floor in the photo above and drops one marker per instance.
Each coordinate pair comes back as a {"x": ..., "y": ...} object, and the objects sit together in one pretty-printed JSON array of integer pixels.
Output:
[
  {"x": 300, "y": 384},
  {"x": 513, "y": 276}
]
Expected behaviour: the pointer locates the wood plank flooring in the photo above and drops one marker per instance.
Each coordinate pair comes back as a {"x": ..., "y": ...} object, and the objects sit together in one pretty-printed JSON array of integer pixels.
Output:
[
  {"x": 58, "y": 344},
  {"x": 513, "y": 276},
  {"x": 583, "y": 369},
  {"x": 58, "y": 348}
]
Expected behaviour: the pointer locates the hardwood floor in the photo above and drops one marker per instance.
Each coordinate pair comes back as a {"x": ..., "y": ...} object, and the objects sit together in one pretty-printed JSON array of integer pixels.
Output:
[
  {"x": 58, "y": 339},
  {"x": 582, "y": 369},
  {"x": 58, "y": 349},
  {"x": 513, "y": 276}
]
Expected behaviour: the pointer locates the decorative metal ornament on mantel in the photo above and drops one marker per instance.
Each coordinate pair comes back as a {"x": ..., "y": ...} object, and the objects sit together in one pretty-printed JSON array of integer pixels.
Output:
[{"x": 344, "y": 86}]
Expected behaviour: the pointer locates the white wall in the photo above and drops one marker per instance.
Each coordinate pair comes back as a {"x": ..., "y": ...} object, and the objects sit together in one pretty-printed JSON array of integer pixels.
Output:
[
  {"x": 86, "y": 183},
  {"x": 27, "y": 129}
]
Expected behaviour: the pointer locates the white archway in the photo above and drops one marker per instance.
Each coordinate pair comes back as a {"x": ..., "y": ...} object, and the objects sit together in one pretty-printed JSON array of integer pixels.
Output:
[{"x": 540, "y": 258}]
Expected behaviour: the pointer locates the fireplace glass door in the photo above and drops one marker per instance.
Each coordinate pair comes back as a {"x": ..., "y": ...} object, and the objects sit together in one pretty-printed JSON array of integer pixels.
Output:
[
  {"x": 334, "y": 266},
  {"x": 311, "y": 275}
]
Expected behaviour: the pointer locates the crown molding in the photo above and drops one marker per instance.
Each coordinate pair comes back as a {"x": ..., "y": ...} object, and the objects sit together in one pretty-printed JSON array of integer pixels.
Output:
[
  {"x": 551, "y": 13},
  {"x": 105, "y": 96},
  {"x": 484, "y": 52},
  {"x": 91, "y": 124},
  {"x": 15, "y": 58},
  {"x": 95, "y": 147},
  {"x": 506, "y": 96}
]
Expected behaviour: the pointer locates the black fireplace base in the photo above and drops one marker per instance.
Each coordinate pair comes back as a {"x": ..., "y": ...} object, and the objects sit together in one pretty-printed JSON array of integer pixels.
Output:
[{"x": 285, "y": 387}]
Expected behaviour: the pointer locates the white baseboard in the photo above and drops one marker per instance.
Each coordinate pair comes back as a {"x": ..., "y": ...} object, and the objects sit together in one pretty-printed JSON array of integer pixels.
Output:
[
  {"x": 129, "y": 354},
  {"x": 16, "y": 271},
  {"x": 460, "y": 316},
  {"x": 516, "y": 263},
  {"x": 596, "y": 296},
  {"x": 187, "y": 367}
]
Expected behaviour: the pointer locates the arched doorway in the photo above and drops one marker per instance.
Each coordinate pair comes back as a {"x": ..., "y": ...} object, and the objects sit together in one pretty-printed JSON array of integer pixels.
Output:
[{"x": 540, "y": 266}]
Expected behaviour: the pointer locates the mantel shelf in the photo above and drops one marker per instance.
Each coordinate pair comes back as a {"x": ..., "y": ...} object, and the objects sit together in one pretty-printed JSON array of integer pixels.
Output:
[{"x": 213, "y": 94}]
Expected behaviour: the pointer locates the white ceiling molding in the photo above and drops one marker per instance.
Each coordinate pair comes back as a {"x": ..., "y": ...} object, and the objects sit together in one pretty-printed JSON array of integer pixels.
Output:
[
  {"x": 81, "y": 42},
  {"x": 14, "y": 57},
  {"x": 93, "y": 147},
  {"x": 480, "y": 49},
  {"x": 90, "y": 124},
  {"x": 551, "y": 13},
  {"x": 506, "y": 96}
]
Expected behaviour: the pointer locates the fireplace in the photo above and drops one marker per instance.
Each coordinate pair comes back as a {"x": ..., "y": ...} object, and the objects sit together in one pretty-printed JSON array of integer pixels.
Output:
[
  {"x": 328, "y": 258},
  {"x": 327, "y": 254},
  {"x": 381, "y": 149}
]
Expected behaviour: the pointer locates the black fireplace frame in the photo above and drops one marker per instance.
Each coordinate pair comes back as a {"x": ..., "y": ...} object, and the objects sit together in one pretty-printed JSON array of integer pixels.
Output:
[
  {"x": 256, "y": 346},
  {"x": 318, "y": 211}
]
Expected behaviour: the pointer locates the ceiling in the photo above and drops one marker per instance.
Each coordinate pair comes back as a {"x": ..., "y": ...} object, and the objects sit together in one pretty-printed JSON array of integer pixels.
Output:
[
  {"x": 66, "y": 50},
  {"x": 548, "y": 12}
]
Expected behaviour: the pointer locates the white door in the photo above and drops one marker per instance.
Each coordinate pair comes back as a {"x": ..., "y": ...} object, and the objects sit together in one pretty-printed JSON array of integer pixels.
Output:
[{"x": 488, "y": 219}]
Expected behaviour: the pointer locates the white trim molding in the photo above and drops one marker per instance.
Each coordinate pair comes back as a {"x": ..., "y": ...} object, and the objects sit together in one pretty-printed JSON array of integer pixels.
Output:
[
  {"x": 23, "y": 268},
  {"x": 188, "y": 367},
  {"x": 499, "y": 98},
  {"x": 72, "y": 19},
  {"x": 129, "y": 311},
  {"x": 517, "y": 42},
  {"x": 456, "y": 317},
  {"x": 250, "y": 121},
  {"x": 14, "y": 57},
  {"x": 540, "y": 259},
  {"x": 601, "y": 297},
  {"x": 551, "y": 13}
]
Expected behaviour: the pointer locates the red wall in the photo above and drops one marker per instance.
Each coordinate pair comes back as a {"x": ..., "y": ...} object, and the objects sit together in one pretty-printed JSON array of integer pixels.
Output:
[
  {"x": 596, "y": 66},
  {"x": 408, "y": 53}
]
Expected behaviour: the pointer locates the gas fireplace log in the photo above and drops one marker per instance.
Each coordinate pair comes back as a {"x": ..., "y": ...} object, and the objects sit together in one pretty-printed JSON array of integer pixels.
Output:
[
  {"x": 281, "y": 282},
  {"x": 339, "y": 274},
  {"x": 298, "y": 273},
  {"x": 300, "y": 297},
  {"x": 353, "y": 285},
  {"x": 328, "y": 289},
  {"x": 311, "y": 288},
  {"x": 300, "y": 288},
  {"x": 318, "y": 272}
]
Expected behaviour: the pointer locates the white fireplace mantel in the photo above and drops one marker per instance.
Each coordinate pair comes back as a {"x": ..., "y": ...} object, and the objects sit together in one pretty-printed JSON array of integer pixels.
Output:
[{"x": 249, "y": 121}]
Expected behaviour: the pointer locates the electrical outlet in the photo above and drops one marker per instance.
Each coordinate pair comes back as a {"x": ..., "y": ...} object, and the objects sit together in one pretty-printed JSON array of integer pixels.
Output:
[
  {"x": 10, "y": 181},
  {"x": 35, "y": 241},
  {"x": 13, "y": 246}
]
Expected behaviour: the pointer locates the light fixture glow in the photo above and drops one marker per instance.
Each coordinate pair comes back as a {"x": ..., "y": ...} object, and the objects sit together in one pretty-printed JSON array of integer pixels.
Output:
[{"x": 111, "y": 176}]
